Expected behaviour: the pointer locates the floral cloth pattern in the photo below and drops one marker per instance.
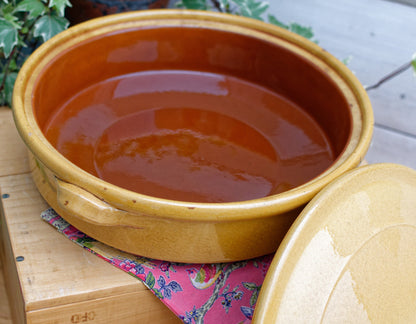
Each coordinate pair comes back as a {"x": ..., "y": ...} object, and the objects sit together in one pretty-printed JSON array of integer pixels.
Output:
[{"x": 196, "y": 293}]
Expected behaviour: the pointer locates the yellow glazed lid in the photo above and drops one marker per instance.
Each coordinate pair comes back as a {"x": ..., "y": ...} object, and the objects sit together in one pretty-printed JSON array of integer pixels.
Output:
[{"x": 350, "y": 257}]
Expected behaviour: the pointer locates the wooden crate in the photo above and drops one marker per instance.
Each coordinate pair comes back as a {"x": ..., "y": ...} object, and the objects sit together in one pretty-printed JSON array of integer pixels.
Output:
[
  {"x": 48, "y": 278},
  {"x": 5, "y": 316}
]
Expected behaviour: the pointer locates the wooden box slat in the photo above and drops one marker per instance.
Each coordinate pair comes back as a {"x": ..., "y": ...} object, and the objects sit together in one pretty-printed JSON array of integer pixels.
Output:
[
  {"x": 57, "y": 281},
  {"x": 5, "y": 315},
  {"x": 13, "y": 153}
]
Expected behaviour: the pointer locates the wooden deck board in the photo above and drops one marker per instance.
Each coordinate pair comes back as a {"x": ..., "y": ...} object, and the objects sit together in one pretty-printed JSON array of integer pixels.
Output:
[
  {"x": 379, "y": 36},
  {"x": 392, "y": 147}
]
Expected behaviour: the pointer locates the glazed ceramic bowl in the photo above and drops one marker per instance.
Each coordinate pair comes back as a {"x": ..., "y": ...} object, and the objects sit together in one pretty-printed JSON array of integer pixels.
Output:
[{"x": 222, "y": 77}]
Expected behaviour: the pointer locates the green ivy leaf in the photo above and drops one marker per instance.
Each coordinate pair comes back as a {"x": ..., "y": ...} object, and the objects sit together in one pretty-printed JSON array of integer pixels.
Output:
[
  {"x": 194, "y": 4},
  {"x": 6, "y": 94},
  {"x": 48, "y": 26},
  {"x": 12, "y": 19},
  {"x": 59, "y": 5},
  {"x": 293, "y": 27},
  {"x": 347, "y": 60},
  {"x": 252, "y": 9},
  {"x": 301, "y": 30},
  {"x": 6, "y": 9},
  {"x": 8, "y": 36},
  {"x": 35, "y": 8},
  {"x": 224, "y": 5},
  {"x": 273, "y": 20}
]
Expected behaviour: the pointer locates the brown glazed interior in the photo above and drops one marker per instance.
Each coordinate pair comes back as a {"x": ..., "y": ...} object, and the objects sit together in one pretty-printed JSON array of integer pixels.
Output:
[{"x": 201, "y": 50}]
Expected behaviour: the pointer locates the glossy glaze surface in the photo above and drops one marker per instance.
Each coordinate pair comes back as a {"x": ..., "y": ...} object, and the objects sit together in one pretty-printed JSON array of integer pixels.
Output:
[
  {"x": 351, "y": 254},
  {"x": 200, "y": 41},
  {"x": 208, "y": 50},
  {"x": 190, "y": 136}
]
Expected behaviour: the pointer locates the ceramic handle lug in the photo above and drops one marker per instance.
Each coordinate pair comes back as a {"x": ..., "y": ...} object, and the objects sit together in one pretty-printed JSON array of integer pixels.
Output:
[{"x": 86, "y": 206}]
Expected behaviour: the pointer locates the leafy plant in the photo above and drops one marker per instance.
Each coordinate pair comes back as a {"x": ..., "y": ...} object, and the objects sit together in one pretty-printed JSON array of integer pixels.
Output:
[
  {"x": 257, "y": 9},
  {"x": 247, "y": 8},
  {"x": 24, "y": 25}
]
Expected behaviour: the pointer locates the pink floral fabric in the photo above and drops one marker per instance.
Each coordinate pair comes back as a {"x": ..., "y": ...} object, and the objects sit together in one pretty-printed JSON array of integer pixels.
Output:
[{"x": 196, "y": 293}]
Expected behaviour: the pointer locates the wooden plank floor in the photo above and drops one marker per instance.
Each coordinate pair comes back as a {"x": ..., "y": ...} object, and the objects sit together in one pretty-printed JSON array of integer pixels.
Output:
[{"x": 379, "y": 36}]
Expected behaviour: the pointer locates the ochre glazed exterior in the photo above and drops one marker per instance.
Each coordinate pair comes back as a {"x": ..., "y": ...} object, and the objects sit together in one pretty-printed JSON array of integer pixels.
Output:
[
  {"x": 350, "y": 256},
  {"x": 177, "y": 230}
]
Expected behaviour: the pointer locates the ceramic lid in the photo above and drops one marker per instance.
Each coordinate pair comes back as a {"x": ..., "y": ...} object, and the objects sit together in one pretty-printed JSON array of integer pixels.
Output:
[{"x": 350, "y": 256}]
